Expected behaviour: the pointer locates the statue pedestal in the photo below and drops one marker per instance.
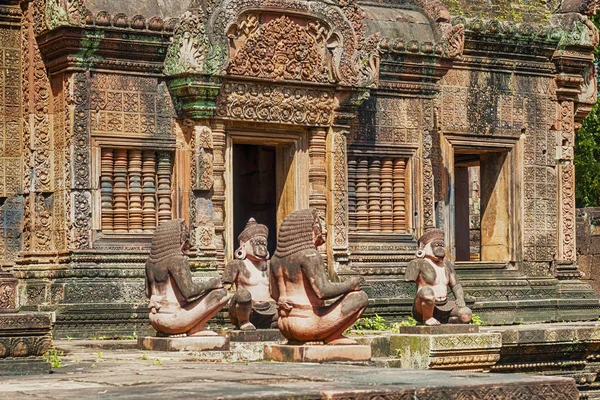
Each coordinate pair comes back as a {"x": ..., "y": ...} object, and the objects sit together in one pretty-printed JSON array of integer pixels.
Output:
[
  {"x": 256, "y": 335},
  {"x": 187, "y": 343},
  {"x": 446, "y": 347},
  {"x": 316, "y": 353}
]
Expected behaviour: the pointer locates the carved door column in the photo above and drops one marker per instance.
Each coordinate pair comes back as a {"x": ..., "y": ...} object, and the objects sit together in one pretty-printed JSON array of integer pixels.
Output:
[
  {"x": 337, "y": 212},
  {"x": 567, "y": 256}
]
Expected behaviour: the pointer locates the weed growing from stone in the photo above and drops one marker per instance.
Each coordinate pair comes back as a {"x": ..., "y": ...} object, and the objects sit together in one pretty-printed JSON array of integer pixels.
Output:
[
  {"x": 53, "y": 356},
  {"x": 144, "y": 356},
  {"x": 476, "y": 320},
  {"x": 157, "y": 362}
]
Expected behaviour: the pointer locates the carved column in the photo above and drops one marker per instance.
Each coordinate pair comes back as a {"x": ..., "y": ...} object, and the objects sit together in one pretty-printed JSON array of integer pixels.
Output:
[
  {"x": 362, "y": 195},
  {"x": 218, "y": 198},
  {"x": 567, "y": 256},
  {"x": 337, "y": 212},
  {"x": 106, "y": 189},
  {"x": 163, "y": 175},
  {"x": 135, "y": 190},
  {"x": 387, "y": 199},
  {"x": 374, "y": 195},
  {"x": 399, "y": 195},
  {"x": 120, "y": 224},
  {"x": 352, "y": 193},
  {"x": 148, "y": 190},
  {"x": 80, "y": 201},
  {"x": 317, "y": 173}
]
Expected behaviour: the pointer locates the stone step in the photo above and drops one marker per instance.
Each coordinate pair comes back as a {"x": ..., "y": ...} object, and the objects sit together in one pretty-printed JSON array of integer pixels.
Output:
[{"x": 386, "y": 362}]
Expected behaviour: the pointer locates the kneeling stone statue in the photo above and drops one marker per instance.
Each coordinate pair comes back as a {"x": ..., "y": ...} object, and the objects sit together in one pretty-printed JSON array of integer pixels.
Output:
[
  {"x": 433, "y": 274},
  {"x": 178, "y": 305},
  {"x": 300, "y": 286},
  {"x": 251, "y": 306}
]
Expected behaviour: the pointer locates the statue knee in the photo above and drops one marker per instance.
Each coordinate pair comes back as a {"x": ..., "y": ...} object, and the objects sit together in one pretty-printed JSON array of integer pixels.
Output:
[
  {"x": 427, "y": 295},
  {"x": 465, "y": 315},
  {"x": 361, "y": 299},
  {"x": 243, "y": 296}
]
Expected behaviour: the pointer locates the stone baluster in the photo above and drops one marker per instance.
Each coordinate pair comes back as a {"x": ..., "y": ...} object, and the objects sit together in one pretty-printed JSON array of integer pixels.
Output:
[
  {"x": 374, "y": 195},
  {"x": 387, "y": 195},
  {"x": 352, "y": 193},
  {"x": 362, "y": 195},
  {"x": 135, "y": 191},
  {"x": 163, "y": 173},
  {"x": 148, "y": 190},
  {"x": 106, "y": 189},
  {"x": 120, "y": 215},
  {"x": 399, "y": 195}
]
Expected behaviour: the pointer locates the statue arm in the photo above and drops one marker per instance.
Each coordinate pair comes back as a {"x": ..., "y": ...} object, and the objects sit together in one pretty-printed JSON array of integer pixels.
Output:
[
  {"x": 412, "y": 271},
  {"x": 455, "y": 285},
  {"x": 148, "y": 285},
  {"x": 314, "y": 268},
  {"x": 231, "y": 272},
  {"x": 189, "y": 289},
  {"x": 273, "y": 285}
]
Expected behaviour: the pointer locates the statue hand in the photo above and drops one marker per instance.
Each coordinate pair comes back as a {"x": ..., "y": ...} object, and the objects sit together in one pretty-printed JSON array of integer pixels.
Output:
[
  {"x": 215, "y": 283},
  {"x": 460, "y": 303},
  {"x": 355, "y": 284}
]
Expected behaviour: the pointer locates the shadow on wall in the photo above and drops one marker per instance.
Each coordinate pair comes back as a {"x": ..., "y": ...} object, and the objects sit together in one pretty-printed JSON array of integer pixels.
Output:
[{"x": 588, "y": 245}]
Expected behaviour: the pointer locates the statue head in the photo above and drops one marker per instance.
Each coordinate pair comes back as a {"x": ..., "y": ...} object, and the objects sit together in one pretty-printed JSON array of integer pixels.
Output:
[
  {"x": 253, "y": 242},
  {"x": 431, "y": 244},
  {"x": 300, "y": 230},
  {"x": 171, "y": 238}
]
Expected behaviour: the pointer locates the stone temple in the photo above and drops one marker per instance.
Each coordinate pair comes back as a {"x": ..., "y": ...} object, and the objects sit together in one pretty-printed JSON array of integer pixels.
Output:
[{"x": 387, "y": 116}]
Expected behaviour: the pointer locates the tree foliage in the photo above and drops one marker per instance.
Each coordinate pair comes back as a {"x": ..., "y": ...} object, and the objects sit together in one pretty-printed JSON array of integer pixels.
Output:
[{"x": 587, "y": 153}]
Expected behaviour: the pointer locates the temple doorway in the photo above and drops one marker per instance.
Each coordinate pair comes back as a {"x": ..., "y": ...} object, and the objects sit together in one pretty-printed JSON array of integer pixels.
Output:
[
  {"x": 255, "y": 188},
  {"x": 481, "y": 206}
]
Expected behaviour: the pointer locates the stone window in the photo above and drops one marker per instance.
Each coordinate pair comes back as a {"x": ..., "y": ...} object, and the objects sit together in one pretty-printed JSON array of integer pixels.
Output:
[
  {"x": 135, "y": 189},
  {"x": 377, "y": 194}
]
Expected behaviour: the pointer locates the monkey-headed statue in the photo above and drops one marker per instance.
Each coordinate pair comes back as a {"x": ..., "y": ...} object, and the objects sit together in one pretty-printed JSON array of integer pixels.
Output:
[
  {"x": 251, "y": 306},
  {"x": 178, "y": 305},
  {"x": 300, "y": 286},
  {"x": 433, "y": 273}
]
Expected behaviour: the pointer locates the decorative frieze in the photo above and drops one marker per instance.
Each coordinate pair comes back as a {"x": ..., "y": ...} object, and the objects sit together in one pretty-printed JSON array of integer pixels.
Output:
[{"x": 275, "y": 103}]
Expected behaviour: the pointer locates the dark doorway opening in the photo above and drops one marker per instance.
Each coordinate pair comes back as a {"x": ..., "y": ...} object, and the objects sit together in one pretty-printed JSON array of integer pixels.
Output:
[
  {"x": 467, "y": 207},
  {"x": 254, "y": 189}
]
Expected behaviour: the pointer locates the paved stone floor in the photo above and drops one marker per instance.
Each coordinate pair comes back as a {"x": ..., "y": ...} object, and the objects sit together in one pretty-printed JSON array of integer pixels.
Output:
[{"x": 103, "y": 371}]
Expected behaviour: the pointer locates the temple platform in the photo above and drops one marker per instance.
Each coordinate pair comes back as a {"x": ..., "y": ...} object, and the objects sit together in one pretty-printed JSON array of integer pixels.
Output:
[
  {"x": 126, "y": 373},
  {"x": 257, "y": 335},
  {"x": 188, "y": 343}
]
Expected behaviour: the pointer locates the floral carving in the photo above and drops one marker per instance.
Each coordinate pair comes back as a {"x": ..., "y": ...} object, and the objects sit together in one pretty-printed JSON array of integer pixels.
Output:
[
  {"x": 281, "y": 49},
  {"x": 273, "y": 103}
]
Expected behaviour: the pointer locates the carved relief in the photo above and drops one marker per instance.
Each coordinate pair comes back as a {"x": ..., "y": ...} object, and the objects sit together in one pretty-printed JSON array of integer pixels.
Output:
[
  {"x": 200, "y": 40},
  {"x": 281, "y": 49},
  {"x": 274, "y": 103},
  {"x": 388, "y": 120},
  {"x": 202, "y": 175},
  {"x": 339, "y": 191},
  {"x": 130, "y": 105}
]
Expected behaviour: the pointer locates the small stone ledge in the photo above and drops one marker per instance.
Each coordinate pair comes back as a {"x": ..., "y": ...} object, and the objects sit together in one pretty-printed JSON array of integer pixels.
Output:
[
  {"x": 189, "y": 343},
  {"x": 317, "y": 353}
]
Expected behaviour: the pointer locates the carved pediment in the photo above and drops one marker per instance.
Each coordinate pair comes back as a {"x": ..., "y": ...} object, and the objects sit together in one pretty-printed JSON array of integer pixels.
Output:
[
  {"x": 280, "y": 49},
  {"x": 300, "y": 40}
]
